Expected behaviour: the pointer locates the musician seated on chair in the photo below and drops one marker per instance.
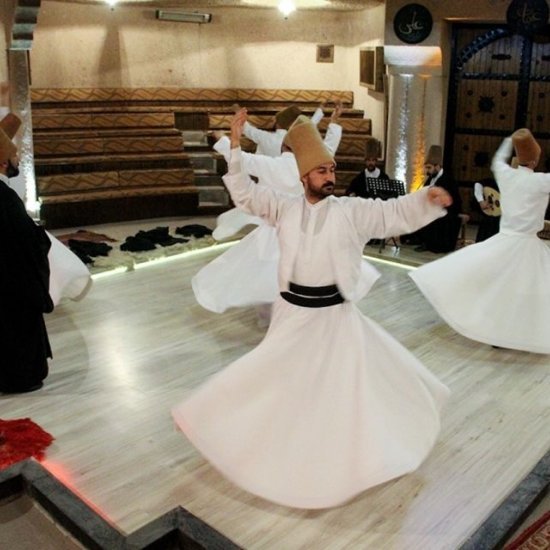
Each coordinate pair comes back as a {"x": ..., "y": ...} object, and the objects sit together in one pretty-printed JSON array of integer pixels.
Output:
[
  {"x": 440, "y": 235},
  {"x": 358, "y": 186},
  {"x": 488, "y": 198}
]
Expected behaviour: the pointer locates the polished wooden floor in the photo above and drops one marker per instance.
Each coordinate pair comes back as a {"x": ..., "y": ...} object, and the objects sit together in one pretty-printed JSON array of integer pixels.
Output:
[{"x": 139, "y": 343}]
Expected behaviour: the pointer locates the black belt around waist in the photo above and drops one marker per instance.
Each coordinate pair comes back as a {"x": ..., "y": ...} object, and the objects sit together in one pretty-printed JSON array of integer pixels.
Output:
[{"x": 313, "y": 296}]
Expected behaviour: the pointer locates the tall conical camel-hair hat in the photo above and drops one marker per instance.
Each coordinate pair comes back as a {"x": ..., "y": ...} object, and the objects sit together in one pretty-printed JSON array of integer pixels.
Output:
[
  {"x": 435, "y": 155},
  {"x": 526, "y": 147},
  {"x": 372, "y": 148},
  {"x": 306, "y": 143},
  {"x": 8, "y": 128},
  {"x": 286, "y": 117}
]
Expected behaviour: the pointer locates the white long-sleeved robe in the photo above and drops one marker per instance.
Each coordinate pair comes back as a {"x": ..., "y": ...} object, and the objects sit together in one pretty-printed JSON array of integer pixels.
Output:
[
  {"x": 497, "y": 291},
  {"x": 270, "y": 143},
  {"x": 225, "y": 282},
  {"x": 328, "y": 404}
]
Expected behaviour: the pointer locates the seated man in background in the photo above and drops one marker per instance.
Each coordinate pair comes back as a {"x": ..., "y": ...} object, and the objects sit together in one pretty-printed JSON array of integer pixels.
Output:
[
  {"x": 440, "y": 235},
  {"x": 358, "y": 186}
]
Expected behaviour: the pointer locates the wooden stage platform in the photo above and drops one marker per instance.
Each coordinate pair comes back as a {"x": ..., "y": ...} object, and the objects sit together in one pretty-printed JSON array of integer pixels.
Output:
[{"x": 139, "y": 343}]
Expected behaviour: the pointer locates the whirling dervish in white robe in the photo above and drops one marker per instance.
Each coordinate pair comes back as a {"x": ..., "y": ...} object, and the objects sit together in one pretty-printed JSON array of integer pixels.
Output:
[
  {"x": 497, "y": 291},
  {"x": 246, "y": 274},
  {"x": 69, "y": 275},
  {"x": 328, "y": 404}
]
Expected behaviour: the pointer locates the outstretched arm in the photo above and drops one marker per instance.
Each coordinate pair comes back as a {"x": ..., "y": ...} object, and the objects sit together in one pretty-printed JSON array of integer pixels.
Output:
[
  {"x": 383, "y": 219},
  {"x": 251, "y": 198}
]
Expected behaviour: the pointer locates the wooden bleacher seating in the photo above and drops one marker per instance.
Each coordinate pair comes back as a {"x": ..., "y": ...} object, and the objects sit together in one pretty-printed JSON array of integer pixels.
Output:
[{"x": 112, "y": 154}]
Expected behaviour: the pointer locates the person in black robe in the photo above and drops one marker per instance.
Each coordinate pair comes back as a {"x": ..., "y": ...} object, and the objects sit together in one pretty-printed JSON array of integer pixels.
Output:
[
  {"x": 358, "y": 186},
  {"x": 24, "y": 281},
  {"x": 441, "y": 235}
]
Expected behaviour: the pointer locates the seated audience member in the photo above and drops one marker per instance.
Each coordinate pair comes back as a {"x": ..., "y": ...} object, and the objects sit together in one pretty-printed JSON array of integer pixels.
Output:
[
  {"x": 358, "y": 186},
  {"x": 440, "y": 235}
]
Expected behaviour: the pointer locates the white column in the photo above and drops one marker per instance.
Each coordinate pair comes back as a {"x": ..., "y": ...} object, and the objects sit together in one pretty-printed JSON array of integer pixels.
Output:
[
  {"x": 415, "y": 113},
  {"x": 20, "y": 101}
]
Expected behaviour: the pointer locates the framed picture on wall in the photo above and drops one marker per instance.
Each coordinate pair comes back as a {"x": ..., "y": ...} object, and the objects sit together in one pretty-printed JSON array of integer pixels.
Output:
[
  {"x": 325, "y": 53},
  {"x": 371, "y": 68}
]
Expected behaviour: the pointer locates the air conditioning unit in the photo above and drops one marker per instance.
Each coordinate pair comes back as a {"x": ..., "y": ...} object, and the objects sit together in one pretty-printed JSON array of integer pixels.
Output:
[{"x": 184, "y": 16}]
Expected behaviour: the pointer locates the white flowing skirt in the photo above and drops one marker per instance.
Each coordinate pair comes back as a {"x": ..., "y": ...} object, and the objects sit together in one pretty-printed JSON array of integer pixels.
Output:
[
  {"x": 231, "y": 222},
  {"x": 496, "y": 292},
  {"x": 69, "y": 276},
  {"x": 245, "y": 275},
  {"x": 326, "y": 406}
]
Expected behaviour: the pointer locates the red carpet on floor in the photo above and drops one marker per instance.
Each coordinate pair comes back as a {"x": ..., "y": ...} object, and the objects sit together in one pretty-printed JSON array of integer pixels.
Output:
[
  {"x": 21, "y": 439},
  {"x": 535, "y": 537}
]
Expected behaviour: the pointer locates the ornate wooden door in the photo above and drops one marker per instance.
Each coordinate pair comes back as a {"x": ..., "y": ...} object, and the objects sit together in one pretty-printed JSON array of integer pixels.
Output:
[{"x": 499, "y": 82}]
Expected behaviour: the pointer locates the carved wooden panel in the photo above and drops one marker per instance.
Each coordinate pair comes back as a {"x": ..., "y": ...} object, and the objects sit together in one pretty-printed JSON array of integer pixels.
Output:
[
  {"x": 266, "y": 122},
  {"x": 473, "y": 155},
  {"x": 538, "y": 111},
  {"x": 155, "y": 178},
  {"x": 118, "y": 193},
  {"x": 50, "y": 121},
  {"x": 58, "y": 95},
  {"x": 66, "y": 183},
  {"x": 496, "y": 57},
  {"x": 540, "y": 60},
  {"x": 486, "y": 104}
]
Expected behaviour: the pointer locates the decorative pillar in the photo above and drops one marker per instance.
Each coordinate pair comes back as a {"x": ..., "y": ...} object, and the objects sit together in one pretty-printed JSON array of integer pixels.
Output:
[
  {"x": 415, "y": 113},
  {"x": 21, "y": 17},
  {"x": 21, "y": 105}
]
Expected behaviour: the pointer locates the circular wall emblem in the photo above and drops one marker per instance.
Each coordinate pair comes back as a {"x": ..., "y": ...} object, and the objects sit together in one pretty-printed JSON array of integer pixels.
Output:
[
  {"x": 412, "y": 23},
  {"x": 527, "y": 16}
]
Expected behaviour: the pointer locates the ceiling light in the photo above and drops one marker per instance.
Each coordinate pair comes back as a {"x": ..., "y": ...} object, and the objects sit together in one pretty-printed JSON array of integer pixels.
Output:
[
  {"x": 286, "y": 7},
  {"x": 183, "y": 16}
]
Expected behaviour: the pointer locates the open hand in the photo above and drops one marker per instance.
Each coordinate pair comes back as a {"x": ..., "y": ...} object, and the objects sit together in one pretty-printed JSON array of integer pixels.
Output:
[
  {"x": 438, "y": 195},
  {"x": 237, "y": 124}
]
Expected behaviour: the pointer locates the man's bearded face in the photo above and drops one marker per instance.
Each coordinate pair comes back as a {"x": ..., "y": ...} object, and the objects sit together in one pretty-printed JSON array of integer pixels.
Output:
[
  {"x": 370, "y": 163},
  {"x": 320, "y": 181},
  {"x": 431, "y": 169}
]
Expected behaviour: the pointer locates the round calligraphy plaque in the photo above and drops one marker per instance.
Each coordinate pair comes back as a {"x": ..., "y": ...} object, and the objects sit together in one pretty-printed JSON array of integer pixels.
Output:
[
  {"x": 412, "y": 23},
  {"x": 527, "y": 16}
]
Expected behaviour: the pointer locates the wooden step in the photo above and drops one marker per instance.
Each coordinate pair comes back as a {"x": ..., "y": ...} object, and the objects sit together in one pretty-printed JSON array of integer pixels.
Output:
[
  {"x": 107, "y": 145},
  {"x": 67, "y": 183},
  {"x": 58, "y": 134},
  {"x": 99, "y": 163},
  {"x": 186, "y": 95},
  {"x": 62, "y": 120}
]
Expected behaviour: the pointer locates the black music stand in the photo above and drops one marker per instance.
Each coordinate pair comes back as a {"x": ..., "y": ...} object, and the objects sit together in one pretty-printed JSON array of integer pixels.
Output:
[{"x": 384, "y": 189}]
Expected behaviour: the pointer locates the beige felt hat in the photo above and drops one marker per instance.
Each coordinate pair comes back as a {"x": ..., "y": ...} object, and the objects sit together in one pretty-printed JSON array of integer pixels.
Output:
[
  {"x": 526, "y": 147},
  {"x": 306, "y": 143}
]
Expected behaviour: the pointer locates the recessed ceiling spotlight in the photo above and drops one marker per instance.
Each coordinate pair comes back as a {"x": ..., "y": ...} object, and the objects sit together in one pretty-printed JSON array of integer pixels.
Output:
[{"x": 286, "y": 7}]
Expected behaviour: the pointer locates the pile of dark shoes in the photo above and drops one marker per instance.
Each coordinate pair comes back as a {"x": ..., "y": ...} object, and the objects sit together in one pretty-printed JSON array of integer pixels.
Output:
[
  {"x": 148, "y": 240},
  {"x": 142, "y": 241},
  {"x": 194, "y": 230},
  {"x": 88, "y": 250}
]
